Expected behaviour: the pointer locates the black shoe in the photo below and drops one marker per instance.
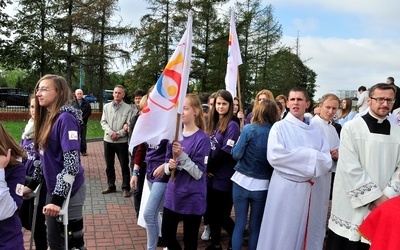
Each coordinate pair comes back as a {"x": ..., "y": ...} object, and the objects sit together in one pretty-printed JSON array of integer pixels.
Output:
[
  {"x": 108, "y": 190},
  {"x": 213, "y": 247},
  {"x": 160, "y": 242}
]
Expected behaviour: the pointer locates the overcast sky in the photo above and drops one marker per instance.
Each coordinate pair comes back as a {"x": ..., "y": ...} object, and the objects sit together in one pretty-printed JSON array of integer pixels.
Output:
[{"x": 347, "y": 43}]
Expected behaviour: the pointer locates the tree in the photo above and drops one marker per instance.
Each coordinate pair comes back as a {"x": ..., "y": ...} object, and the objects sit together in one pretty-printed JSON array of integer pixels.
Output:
[
  {"x": 259, "y": 35},
  {"x": 151, "y": 42},
  {"x": 104, "y": 48},
  {"x": 67, "y": 37},
  {"x": 4, "y": 23},
  {"x": 210, "y": 45},
  {"x": 287, "y": 70}
]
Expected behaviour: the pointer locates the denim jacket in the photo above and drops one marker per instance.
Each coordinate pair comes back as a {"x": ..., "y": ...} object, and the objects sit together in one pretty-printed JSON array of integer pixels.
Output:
[{"x": 251, "y": 151}]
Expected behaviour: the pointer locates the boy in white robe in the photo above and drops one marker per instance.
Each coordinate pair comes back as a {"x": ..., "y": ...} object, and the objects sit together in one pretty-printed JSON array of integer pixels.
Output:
[
  {"x": 321, "y": 189},
  {"x": 367, "y": 172},
  {"x": 299, "y": 153}
]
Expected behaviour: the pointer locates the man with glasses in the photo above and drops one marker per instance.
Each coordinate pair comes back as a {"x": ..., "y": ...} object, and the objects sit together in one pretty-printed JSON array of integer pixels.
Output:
[{"x": 367, "y": 171}]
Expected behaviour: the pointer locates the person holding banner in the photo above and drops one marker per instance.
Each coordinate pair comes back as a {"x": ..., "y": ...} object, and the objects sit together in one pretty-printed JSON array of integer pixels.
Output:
[
  {"x": 223, "y": 132},
  {"x": 57, "y": 126},
  {"x": 157, "y": 124},
  {"x": 185, "y": 197}
]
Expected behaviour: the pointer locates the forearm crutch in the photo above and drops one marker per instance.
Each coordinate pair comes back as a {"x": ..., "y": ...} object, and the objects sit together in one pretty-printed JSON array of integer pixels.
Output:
[
  {"x": 36, "y": 195},
  {"x": 63, "y": 215}
]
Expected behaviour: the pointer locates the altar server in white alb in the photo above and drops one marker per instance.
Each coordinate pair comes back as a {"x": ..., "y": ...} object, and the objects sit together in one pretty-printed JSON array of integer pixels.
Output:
[
  {"x": 321, "y": 189},
  {"x": 299, "y": 153},
  {"x": 367, "y": 172}
]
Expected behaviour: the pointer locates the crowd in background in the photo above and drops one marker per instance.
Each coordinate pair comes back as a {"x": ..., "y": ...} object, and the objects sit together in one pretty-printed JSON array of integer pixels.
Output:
[{"x": 274, "y": 163}]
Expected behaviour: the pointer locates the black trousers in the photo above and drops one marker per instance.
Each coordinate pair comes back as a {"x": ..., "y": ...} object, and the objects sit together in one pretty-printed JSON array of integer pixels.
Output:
[
  {"x": 83, "y": 138},
  {"x": 26, "y": 215},
  {"x": 191, "y": 225},
  {"x": 137, "y": 193},
  {"x": 337, "y": 242},
  {"x": 219, "y": 207},
  {"x": 121, "y": 150}
]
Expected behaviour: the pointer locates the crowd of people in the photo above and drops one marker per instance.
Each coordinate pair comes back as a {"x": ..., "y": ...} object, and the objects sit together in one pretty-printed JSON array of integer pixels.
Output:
[{"x": 276, "y": 164}]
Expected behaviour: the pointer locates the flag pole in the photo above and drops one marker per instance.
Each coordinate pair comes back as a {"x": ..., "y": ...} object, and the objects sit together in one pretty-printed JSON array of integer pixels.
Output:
[
  {"x": 239, "y": 94},
  {"x": 177, "y": 129}
]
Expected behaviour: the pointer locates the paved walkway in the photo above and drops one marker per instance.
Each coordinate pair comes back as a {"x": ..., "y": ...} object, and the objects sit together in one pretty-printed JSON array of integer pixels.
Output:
[{"x": 110, "y": 220}]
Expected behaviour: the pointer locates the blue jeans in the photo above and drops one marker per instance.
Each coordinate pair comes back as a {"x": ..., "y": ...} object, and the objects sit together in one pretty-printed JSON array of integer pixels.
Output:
[
  {"x": 242, "y": 200},
  {"x": 153, "y": 207}
]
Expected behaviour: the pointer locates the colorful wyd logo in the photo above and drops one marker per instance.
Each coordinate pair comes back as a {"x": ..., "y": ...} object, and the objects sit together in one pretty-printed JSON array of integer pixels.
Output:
[
  {"x": 168, "y": 87},
  {"x": 230, "y": 45}
]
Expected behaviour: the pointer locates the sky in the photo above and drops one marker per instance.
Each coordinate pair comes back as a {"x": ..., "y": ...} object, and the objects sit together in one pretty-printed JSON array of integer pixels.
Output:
[{"x": 347, "y": 43}]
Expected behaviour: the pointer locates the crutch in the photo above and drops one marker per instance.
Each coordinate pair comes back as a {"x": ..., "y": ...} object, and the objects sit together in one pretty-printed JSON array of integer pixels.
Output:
[
  {"x": 63, "y": 215},
  {"x": 36, "y": 195}
]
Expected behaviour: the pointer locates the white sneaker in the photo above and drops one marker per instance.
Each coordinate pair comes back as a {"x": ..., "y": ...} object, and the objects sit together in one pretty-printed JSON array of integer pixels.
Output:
[{"x": 206, "y": 234}]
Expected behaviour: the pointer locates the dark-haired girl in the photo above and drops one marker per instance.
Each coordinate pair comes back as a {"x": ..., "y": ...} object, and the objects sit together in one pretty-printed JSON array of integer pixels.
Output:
[{"x": 223, "y": 132}]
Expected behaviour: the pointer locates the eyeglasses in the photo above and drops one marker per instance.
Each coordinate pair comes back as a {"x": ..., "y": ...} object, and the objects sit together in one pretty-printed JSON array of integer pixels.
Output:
[
  {"x": 381, "y": 100},
  {"x": 42, "y": 90}
]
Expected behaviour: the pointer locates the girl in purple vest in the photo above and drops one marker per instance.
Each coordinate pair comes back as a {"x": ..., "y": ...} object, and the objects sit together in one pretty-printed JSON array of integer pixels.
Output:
[
  {"x": 185, "y": 196},
  {"x": 26, "y": 210},
  {"x": 57, "y": 140},
  {"x": 223, "y": 132},
  {"x": 12, "y": 178}
]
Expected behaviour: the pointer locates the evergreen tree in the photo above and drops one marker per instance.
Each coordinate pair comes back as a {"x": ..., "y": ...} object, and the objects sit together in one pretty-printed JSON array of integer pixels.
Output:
[
  {"x": 4, "y": 23},
  {"x": 287, "y": 70}
]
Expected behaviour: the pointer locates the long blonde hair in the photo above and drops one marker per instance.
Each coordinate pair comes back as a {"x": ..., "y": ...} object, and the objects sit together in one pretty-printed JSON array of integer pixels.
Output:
[
  {"x": 44, "y": 118},
  {"x": 195, "y": 103},
  {"x": 265, "y": 92}
]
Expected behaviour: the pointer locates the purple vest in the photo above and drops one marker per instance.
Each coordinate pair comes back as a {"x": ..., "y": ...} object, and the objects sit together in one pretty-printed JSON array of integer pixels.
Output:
[{"x": 186, "y": 195}]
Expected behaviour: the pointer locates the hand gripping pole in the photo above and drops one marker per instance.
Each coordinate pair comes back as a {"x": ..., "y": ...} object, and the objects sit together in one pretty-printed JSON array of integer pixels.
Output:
[{"x": 63, "y": 215}]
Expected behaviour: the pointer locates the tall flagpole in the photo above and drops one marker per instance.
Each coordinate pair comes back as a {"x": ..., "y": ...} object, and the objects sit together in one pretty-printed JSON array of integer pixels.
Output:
[
  {"x": 239, "y": 94},
  {"x": 185, "y": 77}
]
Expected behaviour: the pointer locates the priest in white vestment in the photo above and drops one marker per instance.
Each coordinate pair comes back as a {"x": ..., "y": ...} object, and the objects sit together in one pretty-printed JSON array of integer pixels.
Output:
[
  {"x": 299, "y": 153},
  {"x": 367, "y": 172}
]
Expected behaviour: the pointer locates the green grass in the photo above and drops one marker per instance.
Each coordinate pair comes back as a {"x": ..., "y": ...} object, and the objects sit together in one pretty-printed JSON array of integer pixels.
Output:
[{"x": 15, "y": 128}]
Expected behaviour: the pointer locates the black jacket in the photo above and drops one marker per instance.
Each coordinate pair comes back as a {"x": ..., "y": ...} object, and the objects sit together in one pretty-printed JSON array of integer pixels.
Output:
[{"x": 85, "y": 108}]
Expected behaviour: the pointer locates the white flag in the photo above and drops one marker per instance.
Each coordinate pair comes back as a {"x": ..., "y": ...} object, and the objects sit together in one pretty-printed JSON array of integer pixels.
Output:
[
  {"x": 234, "y": 58},
  {"x": 158, "y": 118}
]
